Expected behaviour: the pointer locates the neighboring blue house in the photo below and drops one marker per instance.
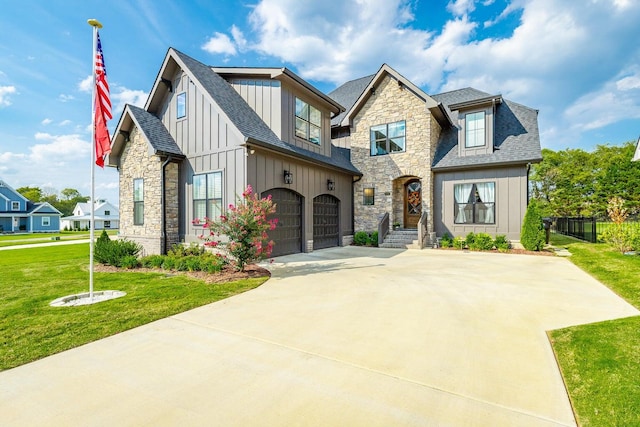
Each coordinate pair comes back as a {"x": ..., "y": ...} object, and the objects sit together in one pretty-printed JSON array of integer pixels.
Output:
[{"x": 18, "y": 214}]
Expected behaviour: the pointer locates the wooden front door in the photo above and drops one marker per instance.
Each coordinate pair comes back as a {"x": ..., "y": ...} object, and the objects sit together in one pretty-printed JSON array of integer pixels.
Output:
[{"x": 412, "y": 203}]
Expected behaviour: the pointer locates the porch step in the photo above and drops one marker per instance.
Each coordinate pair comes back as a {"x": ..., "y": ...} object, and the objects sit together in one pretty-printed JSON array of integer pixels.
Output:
[{"x": 401, "y": 239}]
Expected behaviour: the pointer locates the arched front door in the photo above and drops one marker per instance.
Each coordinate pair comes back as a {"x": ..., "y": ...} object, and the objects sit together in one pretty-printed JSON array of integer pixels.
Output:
[{"x": 412, "y": 203}]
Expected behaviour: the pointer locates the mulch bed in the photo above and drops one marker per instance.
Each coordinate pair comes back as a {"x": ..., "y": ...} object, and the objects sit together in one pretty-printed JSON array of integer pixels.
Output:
[
  {"x": 544, "y": 252},
  {"x": 228, "y": 274}
]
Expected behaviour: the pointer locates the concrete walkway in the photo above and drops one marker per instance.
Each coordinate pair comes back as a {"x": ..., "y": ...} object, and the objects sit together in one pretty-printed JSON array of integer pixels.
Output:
[
  {"x": 40, "y": 245},
  {"x": 345, "y": 336}
]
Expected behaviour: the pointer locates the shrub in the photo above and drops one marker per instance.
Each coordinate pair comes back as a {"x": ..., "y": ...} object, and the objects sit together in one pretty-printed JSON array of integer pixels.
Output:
[
  {"x": 113, "y": 252},
  {"x": 480, "y": 242},
  {"x": 532, "y": 235},
  {"x": 446, "y": 241},
  {"x": 622, "y": 238},
  {"x": 245, "y": 227},
  {"x": 152, "y": 261},
  {"x": 360, "y": 238},
  {"x": 373, "y": 239},
  {"x": 458, "y": 242},
  {"x": 212, "y": 263},
  {"x": 501, "y": 243},
  {"x": 181, "y": 250},
  {"x": 129, "y": 261}
]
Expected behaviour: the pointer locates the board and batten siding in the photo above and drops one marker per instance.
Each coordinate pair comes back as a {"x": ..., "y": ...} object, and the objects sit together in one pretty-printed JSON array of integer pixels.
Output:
[
  {"x": 264, "y": 97},
  {"x": 510, "y": 201},
  {"x": 210, "y": 143},
  {"x": 266, "y": 172},
  {"x": 288, "y": 112}
]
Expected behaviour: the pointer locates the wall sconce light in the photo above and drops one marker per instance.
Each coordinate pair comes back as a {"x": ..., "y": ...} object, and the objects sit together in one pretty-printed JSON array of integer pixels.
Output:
[
  {"x": 331, "y": 185},
  {"x": 288, "y": 177},
  {"x": 250, "y": 149},
  {"x": 373, "y": 90}
]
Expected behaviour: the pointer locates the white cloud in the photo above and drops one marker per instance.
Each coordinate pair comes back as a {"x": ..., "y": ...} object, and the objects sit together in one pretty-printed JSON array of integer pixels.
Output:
[
  {"x": 64, "y": 98},
  {"x": 461, "y": 7},
  {"x": 46, "y": 121},
  {"x": 86, "y": 84},
  {"x": 238, "y": 38},
  {"x": 628, "y": 83},
  {"x": 124, "y": 96},
  {"x": 58, "y": 148},
  {"x": 220, "y": 43},
  {"x": 65, "y": 123},
  {"x": 5, "y": 91}
]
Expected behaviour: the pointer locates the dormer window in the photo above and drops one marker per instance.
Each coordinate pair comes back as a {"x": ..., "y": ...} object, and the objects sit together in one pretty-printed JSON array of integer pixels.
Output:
[
  {"x": 308, "y": 122},
  {"x": 475, "y": 129},
  {"x": 15, "y": 206}
]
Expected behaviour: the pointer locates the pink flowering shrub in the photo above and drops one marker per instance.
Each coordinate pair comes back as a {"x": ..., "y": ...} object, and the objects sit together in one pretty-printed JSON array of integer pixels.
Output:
[{"x": 245, "y": 225}]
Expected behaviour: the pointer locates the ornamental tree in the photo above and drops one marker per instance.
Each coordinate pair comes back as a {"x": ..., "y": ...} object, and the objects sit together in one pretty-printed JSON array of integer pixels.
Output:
[
  {"x": 242, "y": 232},
  {"x": 532, "y": 235}
]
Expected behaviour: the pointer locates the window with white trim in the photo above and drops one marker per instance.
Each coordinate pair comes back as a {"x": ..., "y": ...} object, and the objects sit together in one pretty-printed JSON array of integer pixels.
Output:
[
  {"x": 107, "y": 224},
  {"x": 15, "y": 206},
  {"x": 207, "y": 196},
  {"x": 475, "y": 203},
  {"x": 138, "y": 201},
  {"x": 388, "y": 138},
  {"x": 308, "y": 122},
  {"x": 181, "y": 105},
  {"x": 475, "y": 135},
  {"x": 46, "y": 221}
]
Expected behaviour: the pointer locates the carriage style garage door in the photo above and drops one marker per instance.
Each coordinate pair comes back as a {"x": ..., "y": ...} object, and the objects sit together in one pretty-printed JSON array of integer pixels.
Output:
[
  {"x": 288, "y": 233},
  {"x": 325, "y": 222}
]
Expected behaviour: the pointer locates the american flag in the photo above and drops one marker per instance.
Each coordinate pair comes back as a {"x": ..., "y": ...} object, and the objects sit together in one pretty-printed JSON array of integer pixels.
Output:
[{"x": 102, "y": 107}]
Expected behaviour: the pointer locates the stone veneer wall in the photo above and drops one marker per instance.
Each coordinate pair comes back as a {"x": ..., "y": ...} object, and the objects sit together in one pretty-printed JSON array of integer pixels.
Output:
[
  {"x": 172, "y": 204},
  {"x": 137, "y": 162},
  {"x": 388, "y": 173}
]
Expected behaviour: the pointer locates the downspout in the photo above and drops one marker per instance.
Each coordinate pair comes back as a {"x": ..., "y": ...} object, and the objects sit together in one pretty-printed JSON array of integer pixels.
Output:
[
  {"x": 528, "y": 187},
  {"x": 163, "y": 221},
  {"x": 353, "y": 205}
]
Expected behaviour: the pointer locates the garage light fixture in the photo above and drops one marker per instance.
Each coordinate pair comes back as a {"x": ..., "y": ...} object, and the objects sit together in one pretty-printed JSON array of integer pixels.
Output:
[
  {"x": 288, "y": 177},
  {"x": 330, "y": 185}
]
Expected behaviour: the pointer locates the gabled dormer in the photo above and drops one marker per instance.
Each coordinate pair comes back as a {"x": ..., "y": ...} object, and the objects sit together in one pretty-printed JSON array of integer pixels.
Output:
[
  {"x": 476, "y": 125},
  {"x": 11, "y": 200},
  {"x": 298, "y": 113}
]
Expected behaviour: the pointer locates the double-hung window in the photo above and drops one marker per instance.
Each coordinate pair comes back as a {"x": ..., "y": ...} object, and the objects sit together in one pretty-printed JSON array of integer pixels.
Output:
[
  {"x": 207, "y": 196},
  {"x": 46, "y": 221},
  {"x": 308, "y": 122},
  {"x": 388, "y": 138},
  {"x": 138, "y": 201},
  {"x": 15, "y": 206},
  {"x": 475, "y": 130},
  {"x": 475, "y": 203}
]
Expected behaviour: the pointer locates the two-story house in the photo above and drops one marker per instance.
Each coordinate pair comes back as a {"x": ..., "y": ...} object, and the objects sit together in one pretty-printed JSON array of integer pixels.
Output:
[
  {"x": 206, "y": 133},
  {"x": 459, "y": 160},
  {"x": 377, "y": 147},
  {"x": 105, "y": 215},
  {"x": 20, "y": 215}
]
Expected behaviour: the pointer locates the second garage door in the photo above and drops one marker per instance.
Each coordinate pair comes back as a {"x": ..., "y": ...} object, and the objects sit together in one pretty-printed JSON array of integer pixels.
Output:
[{"x": 326, "y": 227}]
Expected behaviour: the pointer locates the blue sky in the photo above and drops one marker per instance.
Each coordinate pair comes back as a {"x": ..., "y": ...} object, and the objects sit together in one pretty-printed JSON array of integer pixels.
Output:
[{"x": 577, "y": 61}]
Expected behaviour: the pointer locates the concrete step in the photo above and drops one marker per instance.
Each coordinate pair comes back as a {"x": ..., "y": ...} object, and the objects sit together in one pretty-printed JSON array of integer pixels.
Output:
[
  {"x": 402, "y": 239},
  {"x": 398, "y": 245}
]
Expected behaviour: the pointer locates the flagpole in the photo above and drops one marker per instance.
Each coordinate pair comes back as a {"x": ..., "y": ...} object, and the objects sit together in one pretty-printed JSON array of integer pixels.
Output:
[{"x": 95, "y": 24}]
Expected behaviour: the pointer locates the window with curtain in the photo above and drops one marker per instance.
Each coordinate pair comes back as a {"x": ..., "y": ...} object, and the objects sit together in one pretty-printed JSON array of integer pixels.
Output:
[
  {"x": 474, "y": 203},
  {"x": 207, "y": 196},
  {"x": 388, "y": 138},
  {"x": 475, "y": 130},
  {"x": 308, "y": 122},
  {"x": 138, "y": 201}
]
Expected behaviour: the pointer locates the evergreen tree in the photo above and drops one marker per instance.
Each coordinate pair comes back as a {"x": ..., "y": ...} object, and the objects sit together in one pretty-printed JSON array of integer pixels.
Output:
[{"x": 532, "y": 235}]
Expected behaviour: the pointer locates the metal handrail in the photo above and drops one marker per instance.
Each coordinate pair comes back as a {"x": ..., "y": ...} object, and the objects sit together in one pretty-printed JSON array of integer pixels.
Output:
[{"x": 383, "y": 227}]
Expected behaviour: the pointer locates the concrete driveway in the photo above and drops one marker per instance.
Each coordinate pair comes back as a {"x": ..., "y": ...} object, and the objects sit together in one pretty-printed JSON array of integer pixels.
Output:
[{"x": 340, "y": 337}]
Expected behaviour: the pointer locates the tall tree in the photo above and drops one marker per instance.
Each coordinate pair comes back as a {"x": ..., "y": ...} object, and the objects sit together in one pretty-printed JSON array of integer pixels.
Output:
[{"x": 32, "y": 193}]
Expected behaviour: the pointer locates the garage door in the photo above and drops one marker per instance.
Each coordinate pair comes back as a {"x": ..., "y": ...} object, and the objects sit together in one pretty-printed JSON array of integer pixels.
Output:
[
  {"x": 288, "y": 233},
  {"x": 325, "y": 222}
]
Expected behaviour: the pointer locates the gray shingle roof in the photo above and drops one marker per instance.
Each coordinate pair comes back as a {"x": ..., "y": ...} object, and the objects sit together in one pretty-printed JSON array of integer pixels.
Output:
[
  {"x": 347, "y": 95},
  {"x": 247, "y": 121},
  {"x": 516, "y": 136},
  {"x": 157, "y": 135}
]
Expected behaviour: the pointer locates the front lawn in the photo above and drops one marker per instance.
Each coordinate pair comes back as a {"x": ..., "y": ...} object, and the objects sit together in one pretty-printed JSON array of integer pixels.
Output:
[
  {"x": 29, "y": 238},
  {"x": 31, "y": 278},
  {"x": 600, "y": 362}
]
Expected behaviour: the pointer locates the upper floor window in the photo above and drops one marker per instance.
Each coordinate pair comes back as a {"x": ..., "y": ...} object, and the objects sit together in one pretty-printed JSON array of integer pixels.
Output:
[
  {"x": 475, "y": 129},
  {"x": 475, "y": 203},
  {"x": 107, "y": 213},
  {"x": 308, "y": 122},
  {"x": 388, "y": 138},
  {"x": 138, "y": 201},
  {"x": 207, "y": 196},
  {"x": 181, "y": 105},
  {"x": 15, "y": 206}
]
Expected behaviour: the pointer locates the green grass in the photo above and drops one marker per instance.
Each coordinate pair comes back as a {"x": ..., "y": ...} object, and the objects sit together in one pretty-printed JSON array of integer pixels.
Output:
[
  {"x": 600, "y": 362},
  {"x": 31, "y": 278},
  {"x": 27, "y": 239}
]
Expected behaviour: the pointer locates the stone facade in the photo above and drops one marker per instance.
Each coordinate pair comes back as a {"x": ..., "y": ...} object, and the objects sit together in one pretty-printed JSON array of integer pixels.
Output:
[
  {"x": 137, "y": 162},
  {"x": 388, "y": 173}
]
